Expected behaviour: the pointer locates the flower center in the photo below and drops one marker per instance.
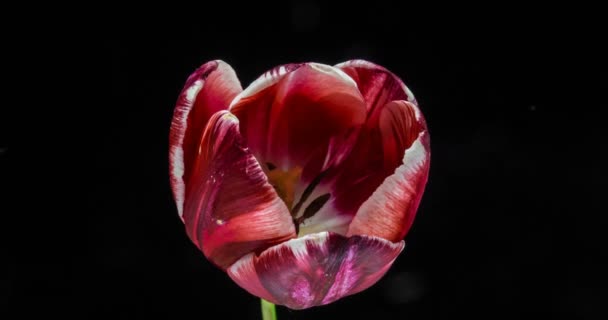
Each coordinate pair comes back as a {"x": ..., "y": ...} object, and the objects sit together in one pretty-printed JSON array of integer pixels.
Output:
[{"x": 284, "y": 182}]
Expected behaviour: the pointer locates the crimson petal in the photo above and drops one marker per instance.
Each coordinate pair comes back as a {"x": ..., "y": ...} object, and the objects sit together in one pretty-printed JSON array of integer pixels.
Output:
[
  {"x": 316, "y": 269},
  {"x": 230, "y": 208},
  {"x": 209, "y": 89},
  {"x": 299, "y": 115}
]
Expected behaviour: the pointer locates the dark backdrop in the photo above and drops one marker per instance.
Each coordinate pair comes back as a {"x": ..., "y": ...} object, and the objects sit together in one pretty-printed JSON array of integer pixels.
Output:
[{"x": 509, "y": 226}]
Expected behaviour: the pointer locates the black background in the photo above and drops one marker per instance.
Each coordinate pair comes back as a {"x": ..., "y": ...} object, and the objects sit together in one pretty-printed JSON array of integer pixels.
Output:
[{"x": 510, "y": 226}]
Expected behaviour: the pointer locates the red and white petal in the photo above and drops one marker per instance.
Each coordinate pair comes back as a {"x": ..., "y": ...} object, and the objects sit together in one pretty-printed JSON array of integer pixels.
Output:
[
  {"x": 230, "y": 208},
  {"x": 209, "y": 89},
  {"x": 316, "y": 269},
  {"x": 391, "y": 209},
  {"x": 401, "y": 123},
  {"x": 376, "y": 155},
  {"x": 349, "y": 185},
  {"x": 377, "y": 85},
  {"x": 300, "y": 114},
  {"x": 378, "y": 149}
]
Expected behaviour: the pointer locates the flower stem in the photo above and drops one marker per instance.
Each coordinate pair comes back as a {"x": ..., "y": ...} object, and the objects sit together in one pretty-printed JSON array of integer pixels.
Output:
[{"x": 268, "y": 310}]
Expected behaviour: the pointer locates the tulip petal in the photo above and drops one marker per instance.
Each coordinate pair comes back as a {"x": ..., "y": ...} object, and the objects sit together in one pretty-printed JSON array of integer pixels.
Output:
[
  {"x": 230, "y": 208},
  {"x": 300, "y": 115},
  {"x": 316, "y": 269},
  {"x": 379, "y": 148},
  {"x": 209, "y": 89},
  {"x": 390, "y": 211}
]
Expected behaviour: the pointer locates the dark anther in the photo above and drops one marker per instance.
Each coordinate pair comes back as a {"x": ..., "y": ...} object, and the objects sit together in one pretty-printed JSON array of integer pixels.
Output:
[
  {"x": 295, "y": 223},
  {"x": 270, "y": 166},
  {"x": 307, "y": 192},
  {"x": 313, "y": 207}
]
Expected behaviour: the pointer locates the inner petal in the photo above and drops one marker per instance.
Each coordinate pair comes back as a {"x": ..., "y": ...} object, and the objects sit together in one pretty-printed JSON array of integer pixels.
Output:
[
  {"x": 303, "y": 118},
  {"x": 301, "y": 121}
]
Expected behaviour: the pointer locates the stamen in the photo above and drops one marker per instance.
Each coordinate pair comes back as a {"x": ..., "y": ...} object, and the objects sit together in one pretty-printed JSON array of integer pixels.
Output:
[
  {"x": 307, "y": 192},
  {"x": 284, "y": 182},
  {"x": 313, "y": 208}
]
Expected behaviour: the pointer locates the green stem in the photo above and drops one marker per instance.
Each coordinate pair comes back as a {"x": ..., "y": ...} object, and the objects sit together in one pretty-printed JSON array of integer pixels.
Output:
[{"x": 268, "y": 310}]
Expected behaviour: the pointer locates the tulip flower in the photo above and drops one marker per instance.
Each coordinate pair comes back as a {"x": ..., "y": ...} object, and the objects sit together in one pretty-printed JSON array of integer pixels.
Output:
[{"x": 303, "y": 186}]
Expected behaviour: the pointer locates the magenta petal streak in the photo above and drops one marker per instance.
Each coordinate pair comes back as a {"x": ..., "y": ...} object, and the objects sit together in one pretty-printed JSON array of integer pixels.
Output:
[{"x": 316, "y": 269}]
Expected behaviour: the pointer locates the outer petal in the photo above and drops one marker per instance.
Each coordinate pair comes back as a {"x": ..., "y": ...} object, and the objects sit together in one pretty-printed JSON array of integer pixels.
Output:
[
  {"x": 316, "y": 269},
  {"x": 300, "y": 114},
  {"x": 209, "y": 89},
  {"x": 230, "y": 208},
  {"x": 390, "y": 211}
]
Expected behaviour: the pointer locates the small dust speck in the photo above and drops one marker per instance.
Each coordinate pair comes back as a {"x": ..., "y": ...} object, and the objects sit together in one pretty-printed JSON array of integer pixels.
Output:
[
  {"x": 305, "y": 16},
  {"x": 405, "y": 287},
  {"x": 532, "y": 108}
]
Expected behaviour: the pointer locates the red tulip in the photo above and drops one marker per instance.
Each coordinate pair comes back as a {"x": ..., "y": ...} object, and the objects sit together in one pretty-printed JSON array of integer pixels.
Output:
[{"x": 302, "y": 186}]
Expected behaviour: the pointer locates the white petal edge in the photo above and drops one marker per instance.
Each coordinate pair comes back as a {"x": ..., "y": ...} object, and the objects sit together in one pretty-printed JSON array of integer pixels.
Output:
[
  {"x": 397, "y": 185},
  {"x": 177, "y": 151}
]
